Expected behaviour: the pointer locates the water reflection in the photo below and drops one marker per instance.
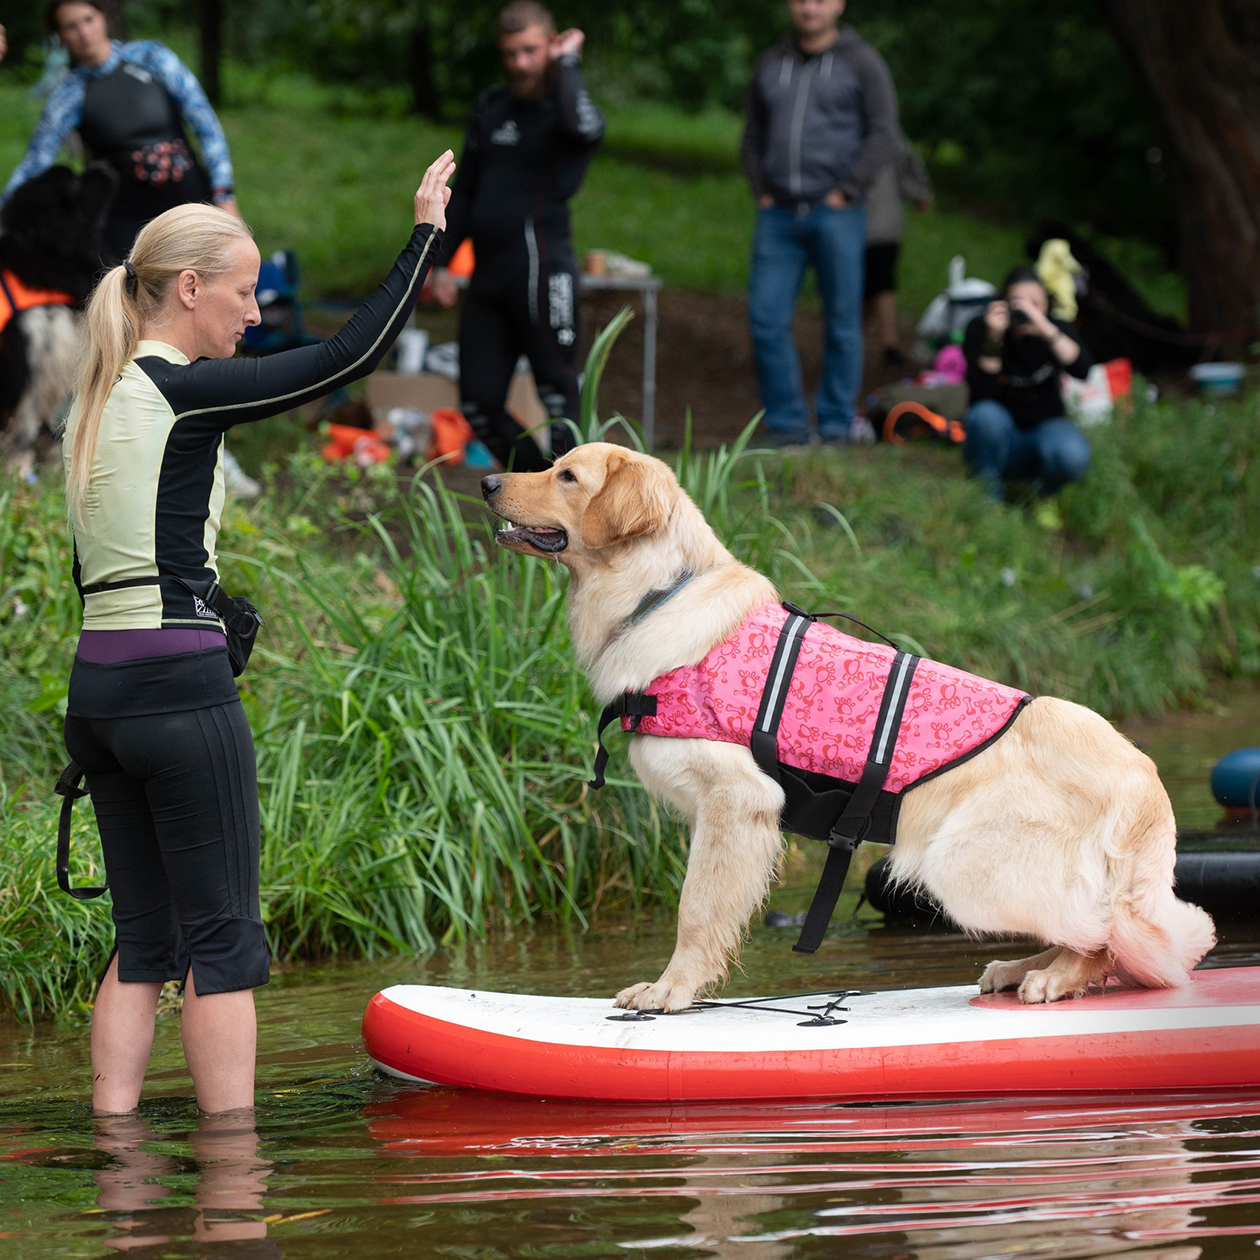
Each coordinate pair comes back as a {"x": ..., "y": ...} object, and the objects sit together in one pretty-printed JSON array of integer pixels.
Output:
[
  {"x": 1063, "y": 1179},
  {"x": 223, "y": 1169}
]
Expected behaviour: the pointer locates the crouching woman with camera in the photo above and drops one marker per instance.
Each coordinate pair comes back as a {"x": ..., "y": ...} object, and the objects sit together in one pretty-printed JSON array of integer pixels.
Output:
[
  {"x": 153, "y": 717},
  {"x": 1015, "y": 426}
]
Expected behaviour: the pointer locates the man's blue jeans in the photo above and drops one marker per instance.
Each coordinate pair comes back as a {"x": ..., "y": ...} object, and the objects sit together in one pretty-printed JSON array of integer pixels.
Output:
[
  {"x": 833, "y": 242},
  {"x": 1053, "y": 454}
]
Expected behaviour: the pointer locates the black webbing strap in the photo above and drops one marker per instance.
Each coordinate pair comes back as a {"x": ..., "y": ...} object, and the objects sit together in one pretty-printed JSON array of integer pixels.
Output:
[
  {"x": 851, "y": 826},
  {"x": 69, "y": 790},
  {"x": 764, "y": 740},
  {"x": 633, "y": 704},
  {"x": 8, "y": 297},
  {"x": 126, "y": 584}
]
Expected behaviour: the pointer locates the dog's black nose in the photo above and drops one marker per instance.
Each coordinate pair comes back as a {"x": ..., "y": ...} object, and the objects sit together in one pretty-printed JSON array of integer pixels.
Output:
[{"x": 491, "y": 486}]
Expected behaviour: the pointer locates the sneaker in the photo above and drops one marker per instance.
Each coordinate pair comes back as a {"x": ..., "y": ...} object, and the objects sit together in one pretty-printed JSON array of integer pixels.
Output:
[
  {"x": 783, "y": 439},
  {"x": 237, "y": 481},
  {"x": 863, "y": 432}
]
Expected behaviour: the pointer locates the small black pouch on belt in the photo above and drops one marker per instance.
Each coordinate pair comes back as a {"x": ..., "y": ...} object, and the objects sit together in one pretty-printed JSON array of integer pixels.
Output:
[
  {"x": 240, "y": 619},
  {"x": 69, "y": 790}
]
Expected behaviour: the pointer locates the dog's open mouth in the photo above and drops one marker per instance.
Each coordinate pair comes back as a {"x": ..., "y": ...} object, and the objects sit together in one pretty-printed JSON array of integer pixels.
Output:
[{"x": 548, "y": 538}]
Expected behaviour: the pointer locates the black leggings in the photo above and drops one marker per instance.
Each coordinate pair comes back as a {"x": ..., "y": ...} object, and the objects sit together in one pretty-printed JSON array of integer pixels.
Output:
[{"x": 176, "y": 799}]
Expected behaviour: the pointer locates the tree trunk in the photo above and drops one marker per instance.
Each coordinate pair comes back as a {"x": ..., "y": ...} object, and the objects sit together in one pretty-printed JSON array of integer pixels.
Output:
[
  {"x": 211, "y": 48},
  {"x": 1199, "y": 63}
]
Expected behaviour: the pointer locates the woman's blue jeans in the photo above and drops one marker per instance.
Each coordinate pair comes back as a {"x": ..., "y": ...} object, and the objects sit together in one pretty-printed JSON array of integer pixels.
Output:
[
  {"x": 785, "y": 241},
  {"x": 995, "y": 450}
]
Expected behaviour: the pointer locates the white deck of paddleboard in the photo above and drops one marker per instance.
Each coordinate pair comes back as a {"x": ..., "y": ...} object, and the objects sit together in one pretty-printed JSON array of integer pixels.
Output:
[{"x": 909, "y": 1017}]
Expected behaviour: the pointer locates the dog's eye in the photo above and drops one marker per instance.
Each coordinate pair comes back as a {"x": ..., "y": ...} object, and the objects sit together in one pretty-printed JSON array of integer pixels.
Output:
[{"x": 565, "y": 475}]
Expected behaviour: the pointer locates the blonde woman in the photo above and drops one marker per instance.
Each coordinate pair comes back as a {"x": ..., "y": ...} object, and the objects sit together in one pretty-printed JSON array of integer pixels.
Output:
[{"x": 153, "y": 715}]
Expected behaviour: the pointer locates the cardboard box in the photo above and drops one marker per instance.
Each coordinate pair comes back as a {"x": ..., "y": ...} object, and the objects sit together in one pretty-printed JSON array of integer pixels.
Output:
[{"x": 426, "y": 391}]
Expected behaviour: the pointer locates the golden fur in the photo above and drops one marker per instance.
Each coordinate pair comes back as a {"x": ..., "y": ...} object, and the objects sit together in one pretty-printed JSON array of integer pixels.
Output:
[{"x": 1060, "y": 830}]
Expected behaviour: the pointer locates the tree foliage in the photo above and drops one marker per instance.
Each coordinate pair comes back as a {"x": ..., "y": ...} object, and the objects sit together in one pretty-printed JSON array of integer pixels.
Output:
[{"x": 1021, "y": 105}]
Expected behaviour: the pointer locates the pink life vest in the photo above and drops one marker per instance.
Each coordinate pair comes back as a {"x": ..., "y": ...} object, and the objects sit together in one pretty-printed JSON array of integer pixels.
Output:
[
  {"x": 846, "y": 727},
  {"x": 831, "y": 703}
]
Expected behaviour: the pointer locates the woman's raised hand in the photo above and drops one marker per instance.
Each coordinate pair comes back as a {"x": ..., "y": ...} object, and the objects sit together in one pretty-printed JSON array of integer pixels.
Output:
[{"x": 433, "y": 194}]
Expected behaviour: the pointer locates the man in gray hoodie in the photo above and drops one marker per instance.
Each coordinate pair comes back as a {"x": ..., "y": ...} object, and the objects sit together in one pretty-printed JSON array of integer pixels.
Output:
[{"x": 821, "y": 123}]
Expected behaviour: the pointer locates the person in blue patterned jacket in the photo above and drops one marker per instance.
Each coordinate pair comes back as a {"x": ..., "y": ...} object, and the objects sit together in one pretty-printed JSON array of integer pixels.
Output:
[{"x": 132, "y": 104}]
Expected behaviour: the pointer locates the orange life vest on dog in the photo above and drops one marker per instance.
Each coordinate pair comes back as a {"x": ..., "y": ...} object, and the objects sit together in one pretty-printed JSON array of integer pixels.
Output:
[{"x": 15, "y": 297}]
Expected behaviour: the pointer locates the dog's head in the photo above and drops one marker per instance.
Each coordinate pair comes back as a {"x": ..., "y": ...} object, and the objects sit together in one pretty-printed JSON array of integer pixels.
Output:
[
  {"x": 50, "y": 228},
  {"x": 597, "y": 497}
]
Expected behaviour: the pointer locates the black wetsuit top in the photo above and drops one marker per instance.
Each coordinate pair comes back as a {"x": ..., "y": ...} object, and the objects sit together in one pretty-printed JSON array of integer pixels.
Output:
[
  {"x": 151, "y": 512},
  {"x": 522, "y": 162}
]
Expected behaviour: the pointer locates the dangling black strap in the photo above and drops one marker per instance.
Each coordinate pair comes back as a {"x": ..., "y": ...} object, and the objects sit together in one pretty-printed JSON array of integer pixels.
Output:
[
  {"x": 633, "y": 704},
  {"x": 764, "y": 740},
  {"x": 847, "y": 831},
  {"x": 69, "y": 790}
]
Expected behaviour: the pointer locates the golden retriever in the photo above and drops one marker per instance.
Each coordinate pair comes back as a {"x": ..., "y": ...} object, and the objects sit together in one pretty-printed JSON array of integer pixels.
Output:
[{"x": 1060, "y": 830}]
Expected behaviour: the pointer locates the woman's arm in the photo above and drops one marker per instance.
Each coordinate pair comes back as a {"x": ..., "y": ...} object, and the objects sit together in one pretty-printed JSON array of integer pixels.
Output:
[
  {"x": 211, "y": 395},
  {"x": 63, "y": 112}
]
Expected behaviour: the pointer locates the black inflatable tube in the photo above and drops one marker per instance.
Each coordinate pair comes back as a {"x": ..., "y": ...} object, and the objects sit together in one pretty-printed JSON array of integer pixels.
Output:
[{"x": 1219, "y": 873}]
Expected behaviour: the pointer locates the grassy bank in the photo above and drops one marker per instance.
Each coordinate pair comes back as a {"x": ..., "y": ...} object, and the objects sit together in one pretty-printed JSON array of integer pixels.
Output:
[
  {"x": 423, "y": 737},
  {"x": 330, "y": 174}
]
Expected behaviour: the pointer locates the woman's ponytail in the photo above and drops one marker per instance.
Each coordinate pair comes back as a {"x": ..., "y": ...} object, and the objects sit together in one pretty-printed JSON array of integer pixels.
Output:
[{"x": 113, "y": 332}]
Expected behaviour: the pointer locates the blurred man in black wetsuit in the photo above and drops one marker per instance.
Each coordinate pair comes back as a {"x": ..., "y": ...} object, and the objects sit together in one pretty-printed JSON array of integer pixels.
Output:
[{"x": 528, "y": 145}]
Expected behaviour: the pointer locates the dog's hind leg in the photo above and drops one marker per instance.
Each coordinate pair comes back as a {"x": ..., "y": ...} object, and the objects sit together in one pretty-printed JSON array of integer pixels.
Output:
[
  {"x": 1069, "y": 974},
  {"x": 998, "y": 976},
  {"x": 735, "y": 848}
]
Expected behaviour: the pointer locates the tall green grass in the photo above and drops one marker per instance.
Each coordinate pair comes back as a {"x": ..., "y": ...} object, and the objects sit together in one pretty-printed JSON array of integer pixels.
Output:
[{"x": 423, "y": 737}]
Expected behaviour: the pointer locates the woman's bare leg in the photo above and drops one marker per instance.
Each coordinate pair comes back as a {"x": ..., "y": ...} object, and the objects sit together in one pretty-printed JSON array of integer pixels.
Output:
[
  {"x": 220, "y": 1034},
  {"x": 122, "y": 1037}
]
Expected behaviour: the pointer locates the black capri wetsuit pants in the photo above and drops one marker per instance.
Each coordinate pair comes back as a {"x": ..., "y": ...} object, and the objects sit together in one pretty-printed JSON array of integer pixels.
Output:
[
  {"x": 176, "y": 800},
  {"x": 526, "y": 305}
]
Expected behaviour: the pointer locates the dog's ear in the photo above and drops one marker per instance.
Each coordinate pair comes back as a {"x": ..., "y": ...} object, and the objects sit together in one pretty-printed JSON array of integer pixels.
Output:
[{"x": 635, "y": 499}]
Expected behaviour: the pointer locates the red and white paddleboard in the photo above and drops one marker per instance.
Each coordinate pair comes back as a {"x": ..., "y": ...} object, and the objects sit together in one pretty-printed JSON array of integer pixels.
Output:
[{"x": 912, "y": 1043}]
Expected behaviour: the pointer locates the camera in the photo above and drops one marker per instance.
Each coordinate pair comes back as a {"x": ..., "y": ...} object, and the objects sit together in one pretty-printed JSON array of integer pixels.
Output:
[{"x": 1017, "y": 317}]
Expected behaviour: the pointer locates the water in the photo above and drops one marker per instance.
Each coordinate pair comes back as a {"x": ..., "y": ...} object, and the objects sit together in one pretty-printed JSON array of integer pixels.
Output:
[{"x": 340, "y": 1161}]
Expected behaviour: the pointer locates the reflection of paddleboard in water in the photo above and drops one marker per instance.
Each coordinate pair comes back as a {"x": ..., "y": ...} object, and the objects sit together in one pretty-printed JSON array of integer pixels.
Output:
[{"x": 913, "y": 1043}]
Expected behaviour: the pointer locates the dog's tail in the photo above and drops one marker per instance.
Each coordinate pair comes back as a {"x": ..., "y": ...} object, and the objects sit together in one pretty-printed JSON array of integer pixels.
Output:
[{"x": 1156, "y": 939}]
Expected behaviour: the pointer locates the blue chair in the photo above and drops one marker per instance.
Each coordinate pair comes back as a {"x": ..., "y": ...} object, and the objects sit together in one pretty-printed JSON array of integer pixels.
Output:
[{"x": 282, "y": 325}]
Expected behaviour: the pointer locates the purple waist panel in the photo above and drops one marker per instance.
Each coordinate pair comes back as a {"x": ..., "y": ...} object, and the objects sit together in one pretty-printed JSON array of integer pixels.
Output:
[{"x": 108, "y": 647}]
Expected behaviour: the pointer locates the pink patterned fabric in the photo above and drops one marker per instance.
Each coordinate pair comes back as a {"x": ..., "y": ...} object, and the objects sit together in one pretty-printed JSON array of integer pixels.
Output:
[{"x": 832, "y": 704}]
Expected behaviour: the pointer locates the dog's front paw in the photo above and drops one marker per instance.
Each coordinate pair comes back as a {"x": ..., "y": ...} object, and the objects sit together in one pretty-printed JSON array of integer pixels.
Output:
[
  {"x": 665, "y": 995},
  {"x": 1051, "y": 986}
]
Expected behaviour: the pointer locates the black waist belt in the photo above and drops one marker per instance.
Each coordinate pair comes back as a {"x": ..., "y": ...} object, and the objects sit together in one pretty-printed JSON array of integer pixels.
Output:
[
  {"x": 241, "y": 620},
  {"x": 844, "y": 831}
]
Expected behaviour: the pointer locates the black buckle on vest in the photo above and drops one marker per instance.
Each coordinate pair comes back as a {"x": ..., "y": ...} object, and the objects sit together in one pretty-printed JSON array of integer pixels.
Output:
[{"x": 636, "y": 705}]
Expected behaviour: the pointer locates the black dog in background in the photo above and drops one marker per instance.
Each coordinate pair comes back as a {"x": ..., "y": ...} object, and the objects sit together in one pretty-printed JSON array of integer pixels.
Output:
[{"x": 51, "y": 250}]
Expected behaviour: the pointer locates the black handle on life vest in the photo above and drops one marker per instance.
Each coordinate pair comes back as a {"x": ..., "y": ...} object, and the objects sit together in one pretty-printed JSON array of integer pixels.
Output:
[
  {"x": 69, "y": 790},
  {"x": 800, "y": 612}
]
